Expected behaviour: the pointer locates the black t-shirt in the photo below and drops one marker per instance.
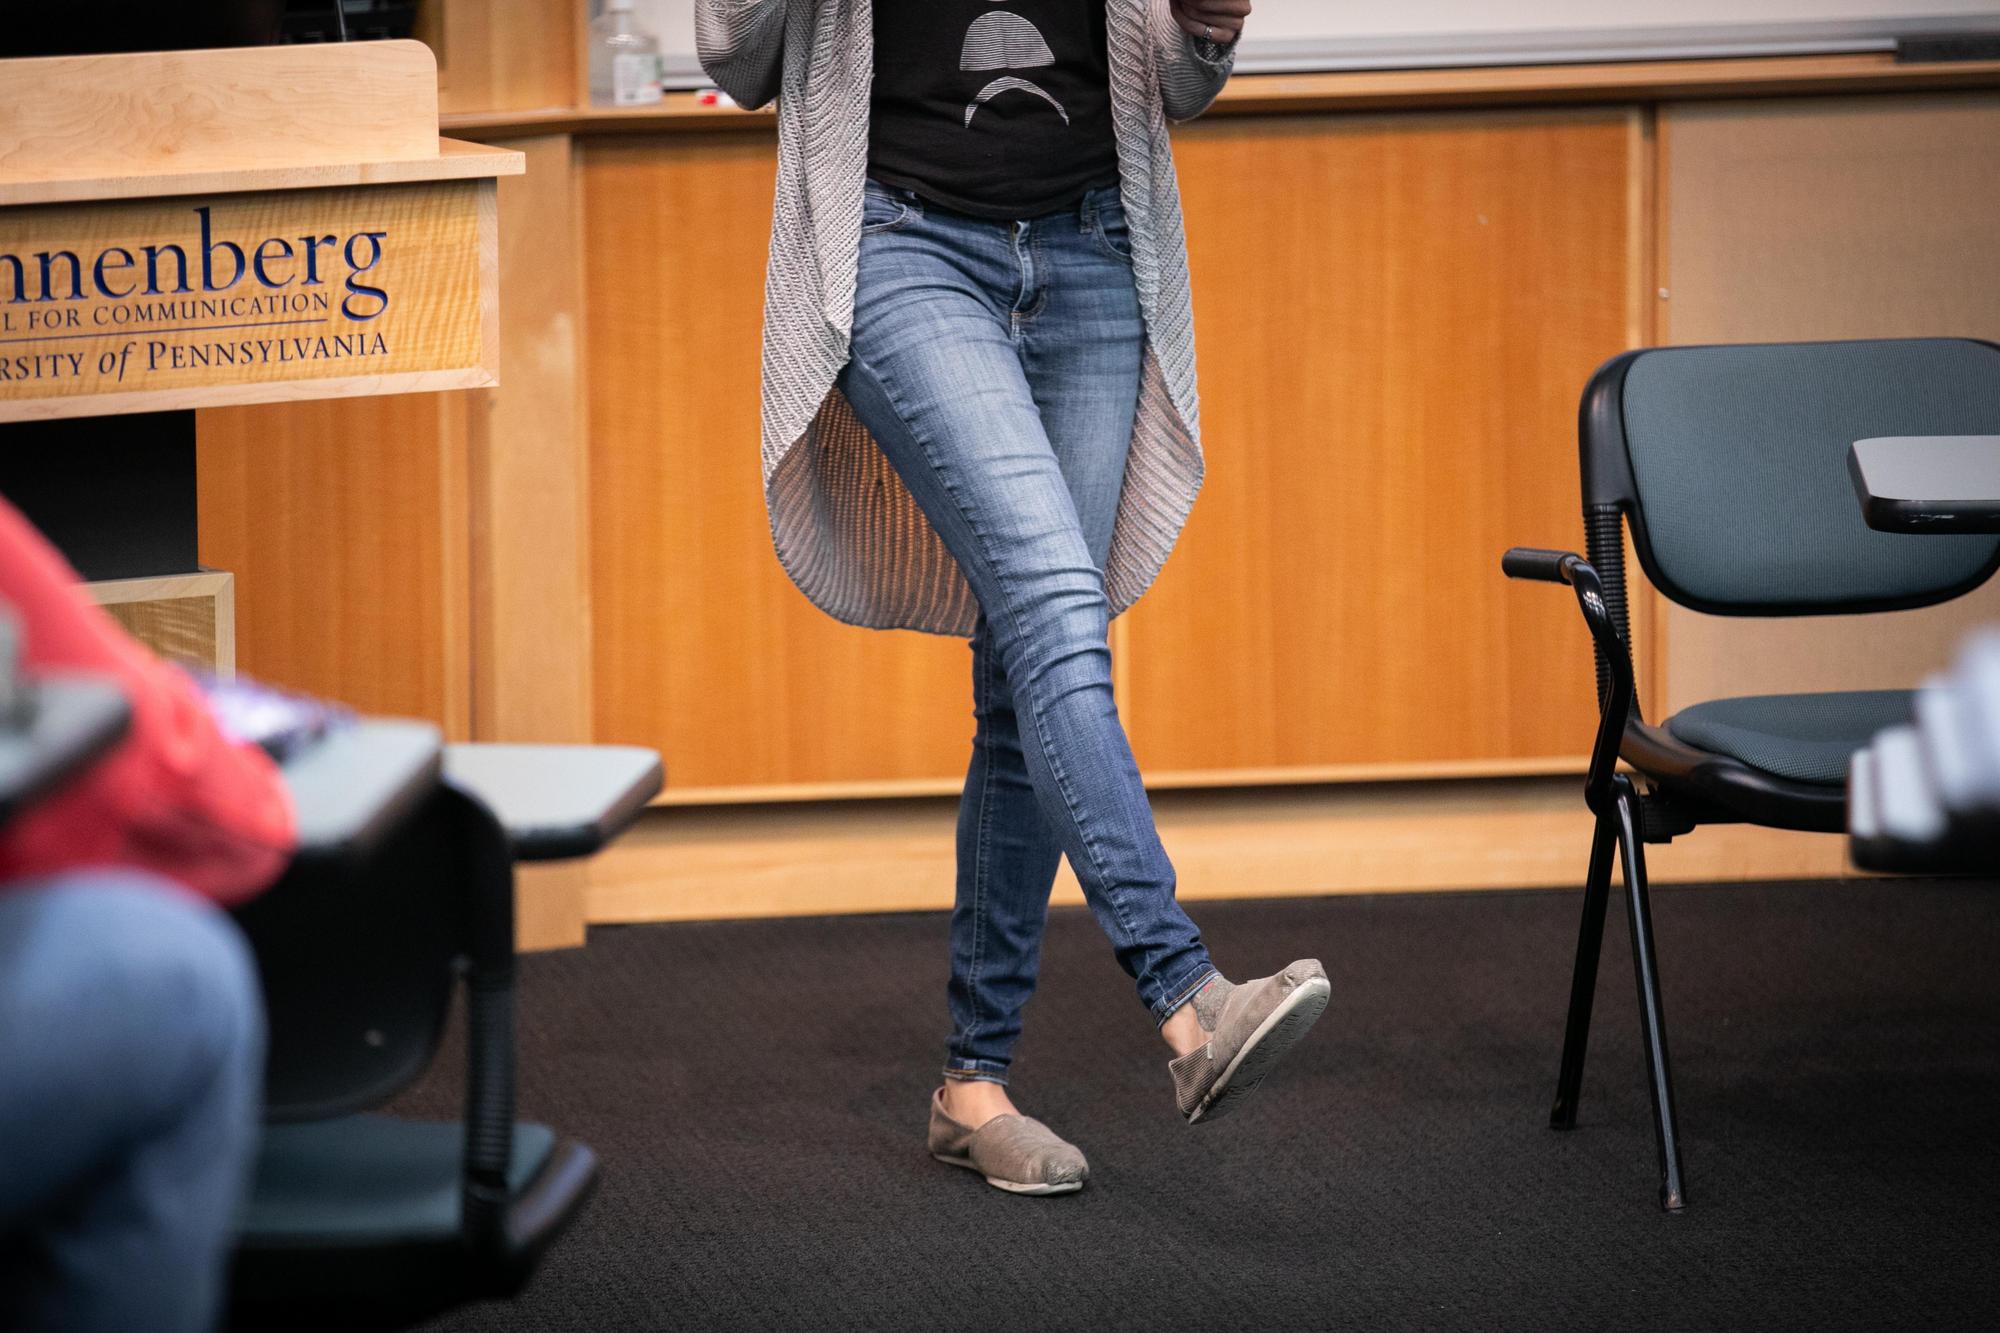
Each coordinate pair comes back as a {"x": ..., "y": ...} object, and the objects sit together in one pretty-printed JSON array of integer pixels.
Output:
[{"x": 997, "y": 108}]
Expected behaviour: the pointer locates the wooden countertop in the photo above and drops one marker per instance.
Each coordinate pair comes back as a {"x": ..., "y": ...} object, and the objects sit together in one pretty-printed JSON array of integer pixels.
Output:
[
  {"x": 453, "y": 160},
  {"x": 1376, "y": 90}
]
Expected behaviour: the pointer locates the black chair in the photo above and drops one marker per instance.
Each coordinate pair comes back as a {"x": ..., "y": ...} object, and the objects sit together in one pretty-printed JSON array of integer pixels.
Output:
[
  {"x": 363, "y": 1220},
  {"x": 1728, "y": 465}
]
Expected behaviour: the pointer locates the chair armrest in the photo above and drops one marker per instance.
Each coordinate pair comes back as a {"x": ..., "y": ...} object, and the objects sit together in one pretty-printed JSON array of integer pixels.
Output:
[
  {"x": 60, "y": 725},
  {"x": 1531, "y": 562},
  {"x": 1527, "y": 562},
  {"x": 557, "y": 801},
  {"x": 358, "y": 782}
]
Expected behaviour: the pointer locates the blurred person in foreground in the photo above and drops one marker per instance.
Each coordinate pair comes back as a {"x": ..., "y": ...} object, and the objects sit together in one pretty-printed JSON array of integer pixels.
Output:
[{"x": 131, "y": 1027}]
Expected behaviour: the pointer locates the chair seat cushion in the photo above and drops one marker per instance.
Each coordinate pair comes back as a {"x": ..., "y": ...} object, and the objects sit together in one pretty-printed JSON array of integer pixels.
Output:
[
  {"x": 369, "y": 1180},
  {"x": 1805, "y": 737}
]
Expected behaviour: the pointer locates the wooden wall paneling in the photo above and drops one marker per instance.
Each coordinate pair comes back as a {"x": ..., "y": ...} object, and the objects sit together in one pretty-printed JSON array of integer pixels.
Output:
[
  {"x": 428, "y": 27},
  {"x": 1490, "y": 87},
  {"x": 701, "y": 646},
  {"x": 1293, "y": 841},
  {"x": 509, "y": 55},
  {"x": 551, "y": 905},
  {"x": 531, "y": 607},
  {"x": 454, "y": 562},
  {"x": 1644, "y": 606},
  {"x": 440, "y": 160},
  {"x": 528, "y": 468},
  {"x": 580, "y": 51},
  {"x": 1395, "y": 317},
  {"x": 1819, "y": 219},
  {"x": 344, "y": 522}
]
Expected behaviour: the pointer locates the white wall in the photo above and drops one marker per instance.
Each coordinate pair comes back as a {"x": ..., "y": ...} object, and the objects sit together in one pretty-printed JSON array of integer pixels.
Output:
[
  {"x": 1282, "y": 19},
  {"x": 1345, "y": 34}
]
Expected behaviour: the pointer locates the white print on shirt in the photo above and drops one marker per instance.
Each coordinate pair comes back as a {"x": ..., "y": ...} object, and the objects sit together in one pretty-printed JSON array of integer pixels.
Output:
[{"x": 1005, "y": 40}]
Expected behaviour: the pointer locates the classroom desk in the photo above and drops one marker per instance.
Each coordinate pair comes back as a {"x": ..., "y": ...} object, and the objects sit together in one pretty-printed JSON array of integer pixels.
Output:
[
  {"x": 1928, "y": 483},
  {"x": 558, "y": 801},
  {"x": 357, "y": 783},
  {"x": 64, "y": 723},
  {"x": 554, "y": 801}
]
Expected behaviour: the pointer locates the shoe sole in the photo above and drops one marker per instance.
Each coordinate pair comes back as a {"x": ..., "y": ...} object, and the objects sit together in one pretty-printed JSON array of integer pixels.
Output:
[
  {"x": 1292, "y": 1019},
  {"x": 1014, "y": 1186}
]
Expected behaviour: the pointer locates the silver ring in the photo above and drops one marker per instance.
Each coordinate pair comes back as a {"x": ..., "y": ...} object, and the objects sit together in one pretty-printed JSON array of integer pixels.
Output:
[{"x": 1210, "y": 31}]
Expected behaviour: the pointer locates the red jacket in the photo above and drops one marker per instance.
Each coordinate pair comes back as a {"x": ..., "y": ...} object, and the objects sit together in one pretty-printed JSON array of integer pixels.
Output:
[{"x": 176, "y": 797}]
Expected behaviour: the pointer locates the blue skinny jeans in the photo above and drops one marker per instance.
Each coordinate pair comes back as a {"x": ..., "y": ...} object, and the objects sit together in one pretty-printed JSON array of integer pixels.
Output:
[
  {"x": 998, "y": 364},
  {"x": 131, "y": 1074}
]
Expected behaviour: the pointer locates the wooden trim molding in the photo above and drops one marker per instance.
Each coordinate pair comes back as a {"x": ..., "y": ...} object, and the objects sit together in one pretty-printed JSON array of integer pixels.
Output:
[
  {"x": 897, "y": 856},
  {"x": 1169, "y": 780},
  {"x": 1375, "y": 90},
  {"x": 451, "y": 160},
  {"x": 1624, "y": 81}
]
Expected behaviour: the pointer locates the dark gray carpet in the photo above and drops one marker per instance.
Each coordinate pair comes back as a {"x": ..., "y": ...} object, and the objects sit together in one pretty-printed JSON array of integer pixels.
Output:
[{"x": 757, "y": 1092}]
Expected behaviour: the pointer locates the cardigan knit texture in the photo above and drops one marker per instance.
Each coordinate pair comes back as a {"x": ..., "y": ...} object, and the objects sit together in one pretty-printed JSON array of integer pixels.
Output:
[{"x": 845, "y": 528}]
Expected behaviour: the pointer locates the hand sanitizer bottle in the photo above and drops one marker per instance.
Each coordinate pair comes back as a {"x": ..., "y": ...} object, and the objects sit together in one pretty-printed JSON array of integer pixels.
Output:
[{"x": 624, "y": 59}]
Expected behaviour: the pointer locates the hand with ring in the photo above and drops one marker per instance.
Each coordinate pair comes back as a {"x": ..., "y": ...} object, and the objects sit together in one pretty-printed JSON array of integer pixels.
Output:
[{"x": 1218, "y": 21}]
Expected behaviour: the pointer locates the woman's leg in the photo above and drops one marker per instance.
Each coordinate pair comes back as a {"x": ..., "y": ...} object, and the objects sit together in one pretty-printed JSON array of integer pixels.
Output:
[
  {"x": 937, "y": 375},
  {"x": 1007, "y": 859},
  {"x": 1081, "y": 355}
]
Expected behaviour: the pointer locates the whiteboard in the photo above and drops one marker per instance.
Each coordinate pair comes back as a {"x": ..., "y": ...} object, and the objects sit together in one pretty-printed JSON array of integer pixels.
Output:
[
  {"x": 1293, "y": 35},
  {"x": 1302, "y": 35}
]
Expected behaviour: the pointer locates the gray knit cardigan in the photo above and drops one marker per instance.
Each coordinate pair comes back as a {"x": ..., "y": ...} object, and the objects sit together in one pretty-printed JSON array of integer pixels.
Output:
[{"x": 846, "y": 529}]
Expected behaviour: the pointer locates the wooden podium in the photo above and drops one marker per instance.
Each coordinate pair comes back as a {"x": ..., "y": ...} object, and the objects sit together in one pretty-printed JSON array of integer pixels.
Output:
[
  {"x": 199, "y": 228},
  {"x": 205, "y": 228}
]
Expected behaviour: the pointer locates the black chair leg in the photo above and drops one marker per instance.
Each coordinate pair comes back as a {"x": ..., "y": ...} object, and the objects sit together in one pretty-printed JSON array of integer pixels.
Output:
[
  {"x": 1673, "y": 1195},
  {"x": 1583, "y": 983}
]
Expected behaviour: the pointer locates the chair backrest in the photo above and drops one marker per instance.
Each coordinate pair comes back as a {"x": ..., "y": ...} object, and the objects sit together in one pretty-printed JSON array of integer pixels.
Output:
[
  {"x": 1730, "y": 464},
  {"x": 359, "y": 962}
]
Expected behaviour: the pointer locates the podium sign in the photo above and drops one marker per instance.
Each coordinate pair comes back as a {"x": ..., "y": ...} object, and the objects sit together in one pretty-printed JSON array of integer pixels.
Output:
[
  {"x": 175, "y": 299},
  {"x": 196, "y": 267}
]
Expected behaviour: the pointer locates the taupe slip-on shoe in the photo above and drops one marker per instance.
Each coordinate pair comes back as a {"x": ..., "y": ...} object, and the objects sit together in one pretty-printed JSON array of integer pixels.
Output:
[
  {"x": 1250, "y": 1027},
  {"x": 1016, "y": 1153}
]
